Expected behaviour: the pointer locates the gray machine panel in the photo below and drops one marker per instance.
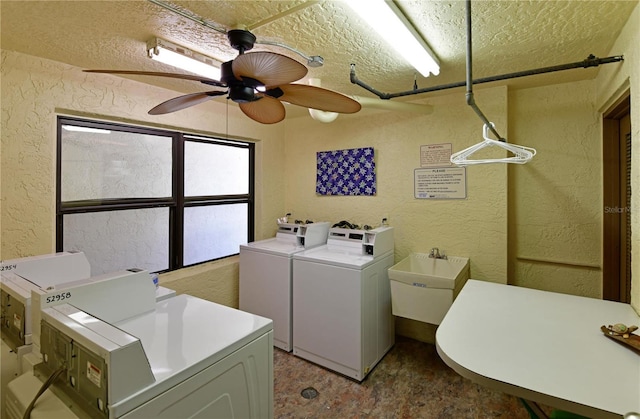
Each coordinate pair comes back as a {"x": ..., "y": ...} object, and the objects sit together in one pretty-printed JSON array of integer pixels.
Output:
[{"x": 13, "y": 320}]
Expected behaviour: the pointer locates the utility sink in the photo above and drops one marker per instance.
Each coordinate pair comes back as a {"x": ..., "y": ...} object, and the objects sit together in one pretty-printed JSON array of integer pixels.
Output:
[
  {"x": 423, "y": 288},
  {"x": 420, "y": 270}
]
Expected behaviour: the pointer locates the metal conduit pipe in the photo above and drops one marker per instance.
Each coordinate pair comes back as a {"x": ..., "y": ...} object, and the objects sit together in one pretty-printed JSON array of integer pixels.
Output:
[
  {"x": 189, "y": 16},
  {"x": 371, "y": 103},
  {"x": 470, "y": 99},
  {"x": 591, "y": 61},
  {"x": 312, "y": 61}
]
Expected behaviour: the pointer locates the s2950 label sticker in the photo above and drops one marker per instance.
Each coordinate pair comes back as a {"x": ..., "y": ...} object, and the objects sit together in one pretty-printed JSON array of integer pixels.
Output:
[{"x": 59, "y": 297}]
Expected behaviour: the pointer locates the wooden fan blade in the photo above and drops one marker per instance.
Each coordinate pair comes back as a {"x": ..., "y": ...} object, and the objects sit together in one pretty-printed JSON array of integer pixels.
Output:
[
  {"x": 266, "y": 110},
  {"x": 318, "y": 98},
  {"x": 184, "y": 101},
  {"x": 201, "y": 79},
  {"x": 268, "y": 67}
]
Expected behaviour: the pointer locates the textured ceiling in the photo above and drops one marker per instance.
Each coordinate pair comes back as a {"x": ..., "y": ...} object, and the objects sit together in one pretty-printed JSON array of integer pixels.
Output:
[{"x": 508, "y": 36}]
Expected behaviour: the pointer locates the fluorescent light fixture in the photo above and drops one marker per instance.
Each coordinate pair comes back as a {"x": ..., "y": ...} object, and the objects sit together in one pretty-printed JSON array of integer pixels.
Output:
[
  {"x": 390, "y": 23},
  {"x": 85, "y": 129},
  {"x": 169, "y": 53}
]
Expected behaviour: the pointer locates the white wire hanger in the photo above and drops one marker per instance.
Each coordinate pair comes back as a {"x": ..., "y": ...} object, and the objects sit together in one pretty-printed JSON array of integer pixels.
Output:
[{"x": 521, "y": 154}]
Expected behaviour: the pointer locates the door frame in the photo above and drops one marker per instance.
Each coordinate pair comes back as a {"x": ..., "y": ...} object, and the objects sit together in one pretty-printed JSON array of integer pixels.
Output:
[{"x": 614, "y": 286}]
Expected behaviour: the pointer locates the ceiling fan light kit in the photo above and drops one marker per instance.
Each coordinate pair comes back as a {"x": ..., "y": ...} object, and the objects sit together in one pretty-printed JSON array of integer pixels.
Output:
[
  {"x": 181, "y": 57},
  {"x": 392, "y": 25},
  {"x": 321, "y": 116}
]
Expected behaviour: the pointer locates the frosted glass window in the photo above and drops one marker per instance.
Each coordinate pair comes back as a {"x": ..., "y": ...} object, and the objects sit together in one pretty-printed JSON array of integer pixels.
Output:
[
  {"x": 154, "y": 199},
  {"x": 108, "y": 164},
  {"x": 215, "y": 169},
  {"x": 117, "y": 240},
  {"x": 211, "y": 232}
]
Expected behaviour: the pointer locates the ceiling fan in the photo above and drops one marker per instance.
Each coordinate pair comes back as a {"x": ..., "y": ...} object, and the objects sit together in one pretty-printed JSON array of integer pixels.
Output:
[{"x": 258, "y": 81}]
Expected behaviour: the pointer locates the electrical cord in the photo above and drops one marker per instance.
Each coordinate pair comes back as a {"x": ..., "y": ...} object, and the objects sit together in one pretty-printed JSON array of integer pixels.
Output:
[{"x": 52, "y": 378}]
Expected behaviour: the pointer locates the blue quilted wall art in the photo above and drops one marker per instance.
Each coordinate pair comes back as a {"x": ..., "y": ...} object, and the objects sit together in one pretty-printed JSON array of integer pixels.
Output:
[{"x": 346, "y": 172}]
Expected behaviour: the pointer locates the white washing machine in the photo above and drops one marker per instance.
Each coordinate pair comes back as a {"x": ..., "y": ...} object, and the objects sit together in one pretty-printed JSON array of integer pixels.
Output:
[
  {"x": 187, "y": 358},
  {"x": 266, "y": 275},
  {"x": 17, "y": 278},
  {"x": 342, "y": 301}
]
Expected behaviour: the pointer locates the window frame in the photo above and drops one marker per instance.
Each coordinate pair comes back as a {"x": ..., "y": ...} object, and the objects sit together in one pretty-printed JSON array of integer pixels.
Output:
[{"x": 176, "y": 203}]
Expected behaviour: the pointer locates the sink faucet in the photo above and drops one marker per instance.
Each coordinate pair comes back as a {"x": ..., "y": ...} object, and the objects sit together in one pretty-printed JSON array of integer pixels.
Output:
[{"x": 435, "y": 253}]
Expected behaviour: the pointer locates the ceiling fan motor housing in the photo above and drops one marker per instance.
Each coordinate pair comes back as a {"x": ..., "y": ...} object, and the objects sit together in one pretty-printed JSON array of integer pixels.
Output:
[
  {"x": 242, "y": 94},
  {"x": 241, "y": 40},
  {"x": 226, "y": 73},
  {"x": 239, "y": 90}
]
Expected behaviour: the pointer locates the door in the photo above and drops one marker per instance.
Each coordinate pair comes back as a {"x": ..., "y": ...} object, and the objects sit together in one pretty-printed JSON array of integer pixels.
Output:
[{"x": 616, "y": 263}]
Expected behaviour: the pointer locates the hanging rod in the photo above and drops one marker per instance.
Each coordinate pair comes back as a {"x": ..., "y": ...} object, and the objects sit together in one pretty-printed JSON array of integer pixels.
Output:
[
  {"x": 469, "y": 83},
  {"x": 590, "y": 61}
]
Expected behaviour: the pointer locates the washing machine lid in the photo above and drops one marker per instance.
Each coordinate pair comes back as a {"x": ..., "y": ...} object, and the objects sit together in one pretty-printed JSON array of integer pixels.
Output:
[
  {"x": 276, "y": 246},
  {"x": 185, "y": 335},
  {"x": 338, "y": 256}
]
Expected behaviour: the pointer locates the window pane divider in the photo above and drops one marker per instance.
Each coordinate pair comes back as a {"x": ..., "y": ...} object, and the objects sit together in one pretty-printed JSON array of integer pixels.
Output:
[
  {"x": 216, "y": 200},
  {"x": 70, "y": 207}
]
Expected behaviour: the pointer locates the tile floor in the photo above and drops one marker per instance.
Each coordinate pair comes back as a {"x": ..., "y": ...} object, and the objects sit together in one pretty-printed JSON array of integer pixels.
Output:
[{"x": 411, "y": 381}]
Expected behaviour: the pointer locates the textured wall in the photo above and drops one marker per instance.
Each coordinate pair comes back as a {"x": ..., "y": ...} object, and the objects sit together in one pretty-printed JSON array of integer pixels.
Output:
[
  {"x": 475, "y": 227},
  {"x": 216, "y": 281},
  {"x": 555, "y": 200},
  {"x": 611, "y": 82},
  {"x": 35, "y": 91}
]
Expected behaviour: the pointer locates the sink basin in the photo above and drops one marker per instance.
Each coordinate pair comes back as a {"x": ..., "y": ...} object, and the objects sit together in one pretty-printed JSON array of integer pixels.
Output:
[
  {"x": 423, "y": 288},
  {"x": 419, "y": 269}
]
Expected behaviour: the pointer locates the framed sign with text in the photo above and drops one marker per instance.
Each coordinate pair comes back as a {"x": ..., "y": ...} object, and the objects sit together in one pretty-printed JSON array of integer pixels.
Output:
[{"x": 440, "y": 183}]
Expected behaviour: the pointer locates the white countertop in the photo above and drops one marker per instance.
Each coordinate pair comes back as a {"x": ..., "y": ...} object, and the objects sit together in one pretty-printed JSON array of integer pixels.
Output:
[{"x": 544, "y": 347}]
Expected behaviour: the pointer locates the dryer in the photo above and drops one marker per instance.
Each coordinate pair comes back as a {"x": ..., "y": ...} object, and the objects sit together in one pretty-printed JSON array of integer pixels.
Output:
[
  {"x": 342, "y": 301},
  {"x": 266, "y": 275},
  {"x": 17, "y": 278},
  {"x": 185, "y": 358}
]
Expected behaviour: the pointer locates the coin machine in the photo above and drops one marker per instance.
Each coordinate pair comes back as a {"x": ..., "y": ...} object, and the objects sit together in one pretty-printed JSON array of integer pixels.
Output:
[
  {"x": 20, "y": 277},
  {"x": 110, "y": 349},
  {"x": 17, "y": 278}
]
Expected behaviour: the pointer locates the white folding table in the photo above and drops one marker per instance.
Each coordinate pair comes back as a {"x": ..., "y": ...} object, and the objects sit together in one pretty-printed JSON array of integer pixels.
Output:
[{"x": 543, "y": 347}]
